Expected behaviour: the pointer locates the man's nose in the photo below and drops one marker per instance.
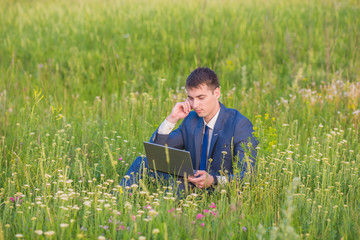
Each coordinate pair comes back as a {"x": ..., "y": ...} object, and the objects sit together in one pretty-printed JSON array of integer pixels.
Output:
[{"x": 195, "y": 104}]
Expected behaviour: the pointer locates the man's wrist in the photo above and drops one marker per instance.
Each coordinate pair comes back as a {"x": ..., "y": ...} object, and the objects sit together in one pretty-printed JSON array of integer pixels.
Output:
[{"x": 171, "y": 119}]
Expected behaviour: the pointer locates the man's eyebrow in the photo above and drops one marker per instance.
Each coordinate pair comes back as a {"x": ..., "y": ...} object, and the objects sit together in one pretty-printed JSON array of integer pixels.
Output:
[{"x": 201, "y": 95}]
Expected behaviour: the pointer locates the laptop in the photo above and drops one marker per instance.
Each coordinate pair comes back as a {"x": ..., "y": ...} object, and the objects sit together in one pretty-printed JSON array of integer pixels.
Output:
[{"x": 168, "y": 160}]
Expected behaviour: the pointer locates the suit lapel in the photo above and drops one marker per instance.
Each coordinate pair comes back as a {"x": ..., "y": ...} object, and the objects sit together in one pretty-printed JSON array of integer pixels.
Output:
[
  {"x": 198, "y": 140},
  {"x": 217, "y": 129}
]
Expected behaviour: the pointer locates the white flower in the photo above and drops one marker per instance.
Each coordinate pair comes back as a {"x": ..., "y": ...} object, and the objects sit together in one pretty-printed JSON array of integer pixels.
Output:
[
  {"x": 155, "y": 231},
  {"x": 64, "y": 225},
  {"x": 39, "y": 232},
  {"x": 49, "y": 233},
  {"x": 87, "y": 203},
  {"x": 19, "y": 235},
  {"x": 152, "y": 212}
]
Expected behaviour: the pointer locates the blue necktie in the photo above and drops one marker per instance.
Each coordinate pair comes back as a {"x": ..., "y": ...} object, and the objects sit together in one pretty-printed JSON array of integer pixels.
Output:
[{"x": 204, "y": 149}]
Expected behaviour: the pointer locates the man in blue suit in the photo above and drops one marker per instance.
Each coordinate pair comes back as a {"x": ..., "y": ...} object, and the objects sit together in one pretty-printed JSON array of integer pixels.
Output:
[{"x": 219, "y": 139}]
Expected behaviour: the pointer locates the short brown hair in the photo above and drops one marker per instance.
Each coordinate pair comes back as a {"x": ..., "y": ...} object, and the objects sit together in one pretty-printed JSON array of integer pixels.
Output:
[{"x": 202, "y": 75}]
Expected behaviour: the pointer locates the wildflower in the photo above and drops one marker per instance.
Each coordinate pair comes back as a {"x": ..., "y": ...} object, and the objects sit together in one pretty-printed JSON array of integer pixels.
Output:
[
  {"x": 49, "y": 233},
  {"x": 64, "y": 225},
  {"x": 101, "y": 238},
  {"x": 200, "y": 216},
  {"x": 87, "y": 203},
  {"x": 202, "y": 224},
  {"x": 153, "y": 213},
  {"x": 206, "y": 211},
  {"x": 142, "y": 238},
  {"x": 39, "y": 232},
  {"x": 223, "y": 191},
  {"x": 155, "y": 231},
  {"x": 244, "y": 229},
  {"x": 19, "y": 235},
  {"x": 12, "y": 199},
  {"x": 212, "y": 205}
]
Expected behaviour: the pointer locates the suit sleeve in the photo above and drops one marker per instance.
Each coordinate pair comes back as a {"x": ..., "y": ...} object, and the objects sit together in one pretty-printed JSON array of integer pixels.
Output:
[
  {"x": 175, "y": 139},
  {"x": 244, "y": 150}
]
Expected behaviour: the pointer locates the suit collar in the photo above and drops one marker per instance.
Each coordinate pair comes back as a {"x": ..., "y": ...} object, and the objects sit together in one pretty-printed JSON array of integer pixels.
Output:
[
  {"x": 219, "y": 125},
  {"x": 212, "y": 122}
]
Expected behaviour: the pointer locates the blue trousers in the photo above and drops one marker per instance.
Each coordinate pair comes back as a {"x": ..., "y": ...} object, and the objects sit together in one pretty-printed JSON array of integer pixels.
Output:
[{"x": 139, "y": 169}]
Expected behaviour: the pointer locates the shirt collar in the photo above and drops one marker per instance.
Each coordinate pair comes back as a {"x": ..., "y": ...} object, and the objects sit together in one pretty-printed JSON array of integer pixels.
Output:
[{"x": 211, "y": 123}]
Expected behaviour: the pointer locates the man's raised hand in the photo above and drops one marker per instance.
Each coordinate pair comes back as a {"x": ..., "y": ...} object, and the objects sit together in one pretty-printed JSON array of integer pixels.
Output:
[{"x": 179, "y": 111}]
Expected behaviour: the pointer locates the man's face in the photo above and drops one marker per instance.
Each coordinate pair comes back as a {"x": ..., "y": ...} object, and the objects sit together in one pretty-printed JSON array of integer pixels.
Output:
[{"x": 204, "y": 101}]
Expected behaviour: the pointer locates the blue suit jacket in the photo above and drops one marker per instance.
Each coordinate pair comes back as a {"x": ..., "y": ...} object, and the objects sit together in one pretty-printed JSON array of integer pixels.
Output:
[{"x": 231, "y": 135}]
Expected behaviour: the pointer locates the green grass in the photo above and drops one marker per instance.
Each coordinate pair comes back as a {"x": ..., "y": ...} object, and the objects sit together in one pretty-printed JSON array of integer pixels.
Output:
[{"x": 83, "y": 83}]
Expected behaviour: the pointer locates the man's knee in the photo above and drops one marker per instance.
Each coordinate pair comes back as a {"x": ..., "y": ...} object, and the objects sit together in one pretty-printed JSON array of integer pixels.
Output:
[{"x": 140, "y": 160}]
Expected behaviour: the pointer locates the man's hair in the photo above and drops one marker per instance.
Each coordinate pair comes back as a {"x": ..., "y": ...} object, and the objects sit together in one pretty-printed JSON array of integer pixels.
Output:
[{"x": 202, "y": 75}]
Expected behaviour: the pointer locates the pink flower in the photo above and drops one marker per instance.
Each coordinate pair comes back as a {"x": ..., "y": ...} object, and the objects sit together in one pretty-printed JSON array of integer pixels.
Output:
[
  {"x": 244, "y": 229},
  {"x": 12, "y": 199},
  {"x": 206, "y": 211},
  {"x": 214, "y": 213},
  {"x": 202, "y": 224},
  {"x": 200, "y": 216},
  {"x": 212, "y": 205},
  {"x": 193, "y": 222},
  {"x": 133, "y": 218}
]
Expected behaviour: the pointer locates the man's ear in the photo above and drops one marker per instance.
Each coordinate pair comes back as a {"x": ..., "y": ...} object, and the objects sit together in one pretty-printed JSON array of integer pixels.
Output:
[{"x": 217, "y": 92}]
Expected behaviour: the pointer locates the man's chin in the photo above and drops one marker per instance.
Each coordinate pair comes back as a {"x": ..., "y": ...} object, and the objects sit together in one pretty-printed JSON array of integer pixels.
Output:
[{"x": 200, "y": 114}]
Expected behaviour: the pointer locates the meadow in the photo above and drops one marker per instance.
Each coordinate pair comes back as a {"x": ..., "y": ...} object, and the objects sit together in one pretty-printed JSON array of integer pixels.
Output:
[{"x": 83, "y": 83}]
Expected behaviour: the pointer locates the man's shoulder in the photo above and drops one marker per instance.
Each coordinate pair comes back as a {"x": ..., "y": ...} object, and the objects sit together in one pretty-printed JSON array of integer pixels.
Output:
[{"x": 234, "y": 115}]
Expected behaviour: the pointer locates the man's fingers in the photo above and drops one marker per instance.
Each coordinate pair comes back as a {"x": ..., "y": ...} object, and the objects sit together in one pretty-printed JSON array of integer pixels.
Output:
[{"x": 188, "y": 106}]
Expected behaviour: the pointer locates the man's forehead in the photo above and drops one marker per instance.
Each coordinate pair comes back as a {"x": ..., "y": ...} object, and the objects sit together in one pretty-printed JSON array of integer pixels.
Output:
[{"x": 200, "y": 88}]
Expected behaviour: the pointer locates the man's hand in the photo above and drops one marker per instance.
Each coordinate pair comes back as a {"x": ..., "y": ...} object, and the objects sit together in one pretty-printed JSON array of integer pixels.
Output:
[
  {"x": 201, "y": 179},
  {"x": 179, "y": 111}
]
